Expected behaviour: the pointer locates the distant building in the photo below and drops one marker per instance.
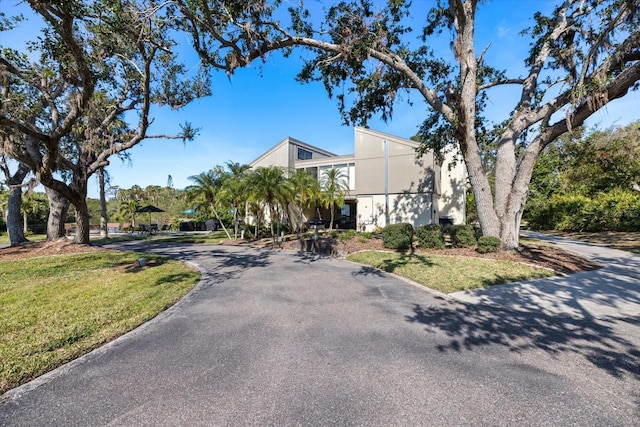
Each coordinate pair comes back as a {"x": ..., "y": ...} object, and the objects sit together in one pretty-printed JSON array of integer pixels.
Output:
[{"x": 387, "y": 183}]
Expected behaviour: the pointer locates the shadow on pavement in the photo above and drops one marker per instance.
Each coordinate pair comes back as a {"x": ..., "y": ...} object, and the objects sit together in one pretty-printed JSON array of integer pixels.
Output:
[{"x": 475, "y": 326}]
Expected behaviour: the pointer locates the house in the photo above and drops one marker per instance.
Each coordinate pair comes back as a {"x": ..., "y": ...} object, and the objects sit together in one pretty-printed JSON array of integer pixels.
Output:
[{"x": 387, "y": 182}]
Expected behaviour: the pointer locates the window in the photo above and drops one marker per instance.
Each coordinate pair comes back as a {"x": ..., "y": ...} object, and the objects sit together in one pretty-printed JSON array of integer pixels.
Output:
[
  {"x": 352, "y": 176},
  {"x": 304, "y": 154}
]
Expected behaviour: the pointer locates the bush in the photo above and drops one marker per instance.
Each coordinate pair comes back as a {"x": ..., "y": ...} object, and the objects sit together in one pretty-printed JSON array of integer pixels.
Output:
[
  {"x": 366, "y": 235},
  {"x": 617, "y": 210},
  {"x": 462, "y": 236},
  {"x": 488, "y": 244},
  {"x": 346, "y": 235},
  {"x": 397, "y": 236},
  {"x": 430, "y": 236},
  {"x": 560, "y": 212}
]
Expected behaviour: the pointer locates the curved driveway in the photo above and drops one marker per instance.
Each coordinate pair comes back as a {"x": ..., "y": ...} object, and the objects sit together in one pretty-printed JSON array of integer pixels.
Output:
[{"x": 273, "y": 338}]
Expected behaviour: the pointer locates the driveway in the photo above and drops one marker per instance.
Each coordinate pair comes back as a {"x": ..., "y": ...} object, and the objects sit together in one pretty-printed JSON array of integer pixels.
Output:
[
  {"x": 612, "y": 292},
  {"x": 277, "y": 338}
]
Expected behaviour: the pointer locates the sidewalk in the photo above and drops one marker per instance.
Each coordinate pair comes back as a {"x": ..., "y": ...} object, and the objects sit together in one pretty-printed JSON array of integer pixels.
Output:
[{"x": 610, "y": 292}]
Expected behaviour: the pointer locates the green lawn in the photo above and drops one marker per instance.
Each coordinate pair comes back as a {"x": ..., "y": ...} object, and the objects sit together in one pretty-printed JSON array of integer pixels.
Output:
[
  {"x": 171, "y": 237},
  {"x": 57, "y": 308},
  {"x": 449, "y": 273},
  {"x": 4, "y": 238}
]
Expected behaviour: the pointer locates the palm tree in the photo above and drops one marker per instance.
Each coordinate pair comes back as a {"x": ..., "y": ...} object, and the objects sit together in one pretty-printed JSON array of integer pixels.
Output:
[
  {"x": 269, "y": 186},
  {"x": 235, "y": 190},
  {"x": 255, "y": 209},
  {"x": 333, "y": 187},
  {"x": 206, "y": 191},
  {"x": 32, "y": 204},
  {"x": 305, "y": 191},
  {"x": 127, "y": 209}
]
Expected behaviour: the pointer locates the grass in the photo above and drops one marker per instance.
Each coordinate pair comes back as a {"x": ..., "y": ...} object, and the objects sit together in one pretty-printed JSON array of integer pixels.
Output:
[
  {"x": 4, "y": 238},
  {"x": 215, "y": 237},
  {"x": 56, "y": 308},
  {"x": 449, "y": 273}
]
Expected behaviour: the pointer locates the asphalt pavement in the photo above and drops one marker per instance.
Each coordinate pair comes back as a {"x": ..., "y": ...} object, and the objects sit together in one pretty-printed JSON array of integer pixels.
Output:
[
  {"x": 275, "y": 338},
  {"x": 611, "y": 292}
]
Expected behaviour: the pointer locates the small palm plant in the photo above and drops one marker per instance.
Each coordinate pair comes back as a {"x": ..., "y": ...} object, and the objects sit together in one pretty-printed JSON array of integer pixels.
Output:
[
  {"x": 305, "y": 191},
  {"x": 334, "y": 187}
]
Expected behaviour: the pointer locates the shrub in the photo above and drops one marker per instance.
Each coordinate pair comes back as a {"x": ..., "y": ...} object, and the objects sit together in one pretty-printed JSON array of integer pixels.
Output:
[
  {"x": 488, "y": 244},
  {"x": 430, "y": 236},
  {"x": 346, "y": 235},
  {"x": 334, "y": 234},
  {"x": 366, "y": 235},
  {"x": 462, "y": 236},
  {"x": 397, "y": 236},
  {"x": 617, "y": 210},
  {"x": 248, "y": 233}
]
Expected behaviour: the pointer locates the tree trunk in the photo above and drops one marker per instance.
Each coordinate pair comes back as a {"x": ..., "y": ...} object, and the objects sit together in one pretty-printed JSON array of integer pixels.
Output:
[
  {"x": 271, "y": 219},
  {"x": 78, "y": 189},
  {"x": 104, "y": 219},
  {"x": 58, "y": 208},
  {"x": 215, "y": 212},
  {"x": 14, "y": 217},
  {"x": 464, "y": 50},
  {"x": 82, "y": 222},
  {"x": 300, "y": 219},
  {"x": 235, "y": 222}
]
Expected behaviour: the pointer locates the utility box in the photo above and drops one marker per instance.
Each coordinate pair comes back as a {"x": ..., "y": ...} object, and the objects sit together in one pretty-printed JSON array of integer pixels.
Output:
[{"x": 445, "y": 223}]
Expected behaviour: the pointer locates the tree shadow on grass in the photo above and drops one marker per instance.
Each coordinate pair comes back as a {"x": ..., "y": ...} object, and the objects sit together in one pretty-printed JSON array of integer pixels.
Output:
[
  {"x": 220, "y": 265},
  {"x": 392, "y": 264},
  {"x": 172, "y": 278}
]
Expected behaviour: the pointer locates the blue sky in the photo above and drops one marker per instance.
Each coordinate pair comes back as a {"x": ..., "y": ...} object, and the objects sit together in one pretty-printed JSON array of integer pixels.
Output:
[{"x": 255, "y": 110}]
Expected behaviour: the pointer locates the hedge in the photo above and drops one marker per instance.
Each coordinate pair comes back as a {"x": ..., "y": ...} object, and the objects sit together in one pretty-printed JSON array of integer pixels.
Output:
[
  {"x": 617, "y": 210},
  {"x": 397, "y": 236},
  {"x": 462, "y": 236},
  {"x": 488, "y": 244},
  {"x": 430, "y": 236}
]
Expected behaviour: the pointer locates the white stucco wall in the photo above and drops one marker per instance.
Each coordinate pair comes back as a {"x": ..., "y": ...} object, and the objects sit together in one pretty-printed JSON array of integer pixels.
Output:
[
  {"x": 412, "y": 208},
  {"x": 452, "y": 190}
]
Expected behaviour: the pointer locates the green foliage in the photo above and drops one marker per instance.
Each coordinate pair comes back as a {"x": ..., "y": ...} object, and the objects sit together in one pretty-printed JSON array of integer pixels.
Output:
[
  {"x": 583, "y": 182},
  {"x": 398, "y": 236},
  {"x": 618, "y": 210},
  {"x": 488, "y": 244},
  {"x": 430, "y": 236},
  {"x": 602, "y": 160},
  {"x": 462, "y": 236},
  {"x": 305, "y": 191},
  {"x": 347, "y": 234},
  {"x": 333, "y": 188}
]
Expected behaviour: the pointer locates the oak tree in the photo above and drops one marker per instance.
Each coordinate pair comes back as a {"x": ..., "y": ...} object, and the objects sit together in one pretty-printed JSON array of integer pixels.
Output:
[
  {"x": 97, "y": 62},
  {"x": 582, "y": 55}
]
